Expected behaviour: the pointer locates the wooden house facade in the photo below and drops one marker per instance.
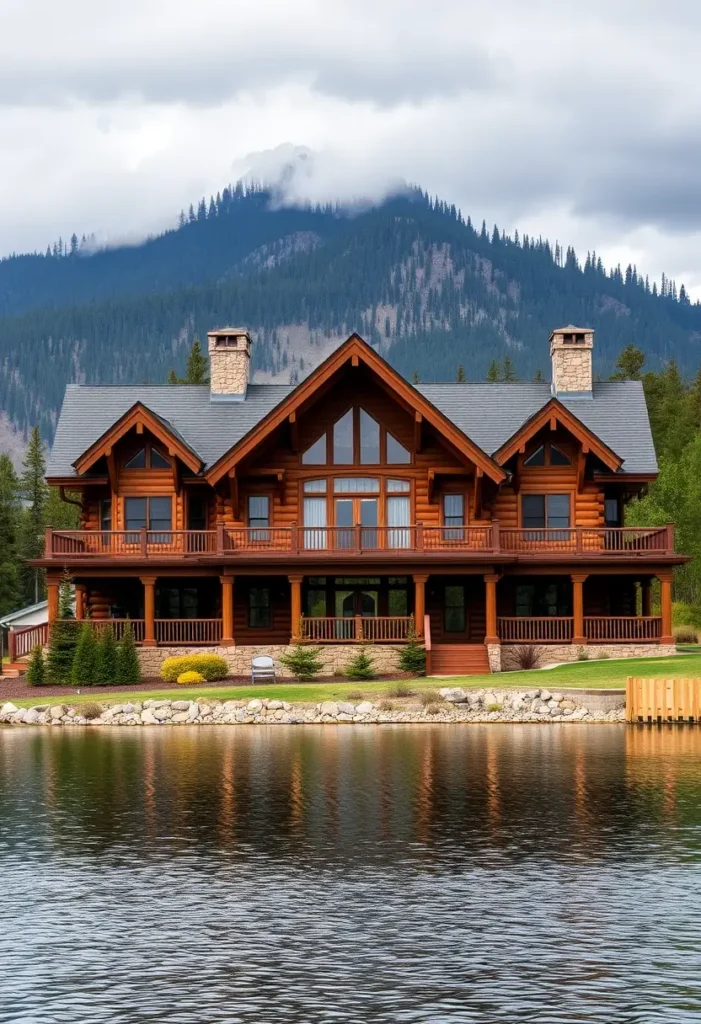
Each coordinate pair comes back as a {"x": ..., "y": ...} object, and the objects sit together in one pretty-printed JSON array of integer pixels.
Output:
[{"x": 357, "y": 507}]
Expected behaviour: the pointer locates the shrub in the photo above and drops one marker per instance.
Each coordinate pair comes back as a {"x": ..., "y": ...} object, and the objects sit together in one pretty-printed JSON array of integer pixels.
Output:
[
  {"x": 525, "y": 657},
  {"x": 386, "y": 705},
  {"x": 212, "y": 666},
  {"x": 36, "y": 673},
  {"x": 433, "y": 709},
  {"x": 493, "y": 707},
  {"x": 685, "y": 635},
  {"x": 686, "y": 614},
  {"x": 106, "y": 657},
  {"x": 427, "y": 697},
  {"x": 90, "y": 711},
  {"x": 63, "y": 640},
  {"x": 603, "y": 655},
  {"x": 190, "y": 678},
  {"x": 361, "y": 666},
  {"x": 128, "y": 666},
  {"x": 303, "y": 662},
  {"x": 355, "y": 695},
  {"x": 400, "y": 690},
  {"x": 582, "y": 654},
  {"x": 84, "y": 670},
  {"x": 412, "y": 657}
]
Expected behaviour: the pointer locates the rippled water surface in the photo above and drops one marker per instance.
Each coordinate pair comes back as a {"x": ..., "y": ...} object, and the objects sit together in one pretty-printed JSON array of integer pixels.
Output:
[{"x": 395, "y": 874}]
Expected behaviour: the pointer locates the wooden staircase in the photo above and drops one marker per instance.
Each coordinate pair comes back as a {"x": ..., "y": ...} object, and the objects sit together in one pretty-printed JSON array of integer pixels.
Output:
[
  {"x": 13, "y": 670},
  {"x": 458, "y": 660}
]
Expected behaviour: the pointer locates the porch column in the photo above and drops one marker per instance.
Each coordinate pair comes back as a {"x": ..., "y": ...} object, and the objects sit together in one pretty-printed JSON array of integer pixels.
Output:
[
  {"x": 666, "y": 607},
  {"x": 419, "y": 603},
  {"x": 80, "y": 600},
  {"x": 227, "y": 611},
  {"x": 578, "y": 636},
  {"x": 296, "y": 606},
  {"x": 646, "y": 594},
  {"x": 149, "y": 583},
  {"x": 490, "y": 595},
  {"x": 52, "y": 595}
]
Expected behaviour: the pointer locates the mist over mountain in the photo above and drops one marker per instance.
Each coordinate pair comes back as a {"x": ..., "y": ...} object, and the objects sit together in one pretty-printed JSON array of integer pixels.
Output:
[{"x": 425, "y": 286}]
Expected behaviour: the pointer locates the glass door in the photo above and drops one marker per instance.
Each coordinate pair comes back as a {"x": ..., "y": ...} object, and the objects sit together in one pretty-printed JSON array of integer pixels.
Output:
[
  {"x": 398, "y": 512},
  {"x": 315, "y": 523},
  {"x": 345, "y": 521},
  {"x": 345, "y": 614},
  {"x": 368, "y": 522}
]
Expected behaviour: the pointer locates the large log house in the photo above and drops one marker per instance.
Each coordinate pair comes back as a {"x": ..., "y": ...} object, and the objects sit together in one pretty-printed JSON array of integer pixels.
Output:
[{"x": 356, "y": 506}]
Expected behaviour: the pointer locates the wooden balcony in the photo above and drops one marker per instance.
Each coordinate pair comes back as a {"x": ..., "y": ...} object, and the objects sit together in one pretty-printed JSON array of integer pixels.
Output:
[
  {"x": 558, "y": 629},
  {"x": 227, "y": 543}
]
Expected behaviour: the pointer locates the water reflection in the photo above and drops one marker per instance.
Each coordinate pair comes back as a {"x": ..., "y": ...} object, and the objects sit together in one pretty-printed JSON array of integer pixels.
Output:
[{"x": 493, "y": 873}]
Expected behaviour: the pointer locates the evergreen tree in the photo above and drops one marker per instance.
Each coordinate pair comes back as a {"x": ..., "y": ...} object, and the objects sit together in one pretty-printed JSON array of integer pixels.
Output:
[
  {"x": 412, "y": 657},
  {"x": 60, "y": 514},
  {"x": 63, "y": 640},
  {"x": 494, "y": 372},
  {"x": 460, "y": 376},
  {"x": 509, "y": 373},
  {"x": 304, "y": 662},
  {"x": 538, "y": 377},
  {"x": 361, "y": 666},
  {"x": 173, "y": 377},
  {"x": 84, "y": 669},
  {"x": 106, "y": 659},
  {"x": 36, "y": 671},
  {"x": 34, "y": 493},
  {"x": 128, "y": 666},
  {"x": 197, "y": 365},
  {"x": 415, "y": 377},
  {"x": 629, "y": 364},
  {"x": 10, "y": 587},
  {"x": 65, "y": 597}
]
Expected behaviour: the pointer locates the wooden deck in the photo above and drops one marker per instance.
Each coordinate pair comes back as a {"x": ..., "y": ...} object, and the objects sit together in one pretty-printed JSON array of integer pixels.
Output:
[{"x": 663, "y": 700}]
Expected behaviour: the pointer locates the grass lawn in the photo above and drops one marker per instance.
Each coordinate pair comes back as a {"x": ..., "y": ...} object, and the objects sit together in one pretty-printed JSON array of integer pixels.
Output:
[{"x": 588, "y": 675}]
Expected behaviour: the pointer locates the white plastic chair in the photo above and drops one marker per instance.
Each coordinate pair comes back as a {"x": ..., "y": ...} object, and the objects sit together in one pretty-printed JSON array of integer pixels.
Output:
[{"x": 262, "y": 669}]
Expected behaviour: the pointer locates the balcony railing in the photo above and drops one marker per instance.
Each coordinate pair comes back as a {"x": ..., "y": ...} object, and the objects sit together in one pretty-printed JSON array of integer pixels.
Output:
[
  {"x": 559, "y": 629},
  {"x": 225, "y": 542},
  {"x": 329, "y": 629},
  {"x": 621, "y": 628},
  {"x": 546, "y": 629}
]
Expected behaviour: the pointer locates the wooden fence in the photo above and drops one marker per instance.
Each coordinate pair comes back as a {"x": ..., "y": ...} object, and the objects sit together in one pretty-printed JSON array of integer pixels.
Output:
[{"x": 663, "y": 700}]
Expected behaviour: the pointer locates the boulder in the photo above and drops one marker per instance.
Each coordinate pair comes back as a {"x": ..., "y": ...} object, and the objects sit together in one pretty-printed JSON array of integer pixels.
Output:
[
  {"x": 490, "y": 698},
  {"x": 57, "y": 711},
  {"x": 454, "y": 695},
  {"x": 366, "y": 707},
  {"x": 557, "y": 697},
  {"x": 9, "y": 709},
  {"x": 329, "y": 707},
  {"x": 180, "y": 705},
  {"x": 32, "y": 716},
  {"x": 180, "y": 716},
  {"x": 148, "y": 717},
  {"x": 192, "y": 712},
  {"x": 21, "y": 715},
  {"x": 345, "y": 708},
  {"x": 545, "y": 695},
  {"x": 161, "y": 713},
  {"x": 254, "y": 706},
  {"x": 275, "y": 705}
]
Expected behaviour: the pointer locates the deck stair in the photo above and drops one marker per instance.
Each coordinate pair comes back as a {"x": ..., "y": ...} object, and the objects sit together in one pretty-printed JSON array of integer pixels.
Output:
[
  {"x": 459, "y": 660},
  {"x": 13, "y": 670}
]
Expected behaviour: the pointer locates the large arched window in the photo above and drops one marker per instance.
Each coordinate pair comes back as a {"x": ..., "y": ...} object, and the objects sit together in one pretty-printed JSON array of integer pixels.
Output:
[
  {"x": 344, "y": 512},
  {"x": 356, "y": 439}
]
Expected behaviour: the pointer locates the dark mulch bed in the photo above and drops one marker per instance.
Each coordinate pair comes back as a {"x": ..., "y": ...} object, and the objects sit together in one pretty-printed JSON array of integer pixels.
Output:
[{"x": 17, "y": 689}]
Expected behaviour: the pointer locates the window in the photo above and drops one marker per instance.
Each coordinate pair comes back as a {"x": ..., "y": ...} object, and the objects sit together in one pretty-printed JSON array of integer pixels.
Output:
[
  {"x": 453, "y": 516},
  {"x": 158, "y": 461},
  {"x": 547, "y": 455},
  {"x": 454, "y": 609},
  {"x": 356, "y": 485},
  {"x": 543, "y": 598},
  {"x": 343, "y": 440},
  {"x": 398, "y": 520},
  {"x": 259, "y": 607},
  {"x": 106, "y": 514},
  {"x": 259, "y": 516},
  {"x": 153, "y": 513},
  {"x": 612, "y": 512},
  {"x": 137, "y": 461},
  {"x": 315, "y": 601},
  {"x": 537, "y": 458},
  {"x": 397, "y": 454},
  {"x": 315, "y": 487},
  {"x": 558, "y": 458},
  {"x": 369, "y": 439},
  {"x": 398, "y": 485},
  {"x": 196, "y": 512},
  {"x": 316, "y": 454},
  {"x": 545, "y": 510}
]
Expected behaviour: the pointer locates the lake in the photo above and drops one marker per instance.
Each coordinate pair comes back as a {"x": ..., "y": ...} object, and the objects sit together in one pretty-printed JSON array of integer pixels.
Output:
[{"x": 321, "y": 875}]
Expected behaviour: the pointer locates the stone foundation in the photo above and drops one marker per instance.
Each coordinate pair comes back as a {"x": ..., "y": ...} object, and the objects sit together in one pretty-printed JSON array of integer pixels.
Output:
[
  {"x": 553, "y": 654},
  {"x": 336, "y": 657}
]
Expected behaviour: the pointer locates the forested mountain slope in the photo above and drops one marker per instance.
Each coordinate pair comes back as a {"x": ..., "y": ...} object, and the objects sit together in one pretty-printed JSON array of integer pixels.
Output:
[{"x": 410, "y": 275}]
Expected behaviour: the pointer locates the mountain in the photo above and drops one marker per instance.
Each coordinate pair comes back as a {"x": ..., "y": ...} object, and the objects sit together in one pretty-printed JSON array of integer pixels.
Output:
[{"x": 417, "y": 280}]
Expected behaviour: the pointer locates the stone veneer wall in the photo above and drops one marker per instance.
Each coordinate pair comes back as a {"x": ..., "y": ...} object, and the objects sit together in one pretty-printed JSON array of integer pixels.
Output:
[
  {"x": 571, "y": 364},
  {"x": 552, "y": 654},
  {"x": 335, "y": 658},
  {"x": 229, "y": 368}
]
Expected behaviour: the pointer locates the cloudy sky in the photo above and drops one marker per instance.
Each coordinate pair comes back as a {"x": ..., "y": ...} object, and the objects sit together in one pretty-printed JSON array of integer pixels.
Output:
[{"x": 575, "y": 121}]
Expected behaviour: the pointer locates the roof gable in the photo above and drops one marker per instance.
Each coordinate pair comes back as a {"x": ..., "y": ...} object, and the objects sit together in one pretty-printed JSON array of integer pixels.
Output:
[
  {"x": 352, "y": 352},
  {"x": 554, "y": 412}
]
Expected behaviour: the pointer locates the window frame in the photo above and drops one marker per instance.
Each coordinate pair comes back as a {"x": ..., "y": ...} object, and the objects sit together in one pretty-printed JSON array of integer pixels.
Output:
[
  {"x": 147, "y": 498},
  {"x": 252, "y": 608},
  {"x": 547, "y": 462},
  {"x": 327, "y": 437},
  {"x": 147, "y": 448},
  {"x": 545, "y": 493},
  {"x": 463, "y": 607}
]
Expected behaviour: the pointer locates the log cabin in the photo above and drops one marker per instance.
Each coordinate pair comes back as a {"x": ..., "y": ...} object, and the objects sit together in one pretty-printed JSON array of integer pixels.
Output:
[{"x": 356, "y": 507}]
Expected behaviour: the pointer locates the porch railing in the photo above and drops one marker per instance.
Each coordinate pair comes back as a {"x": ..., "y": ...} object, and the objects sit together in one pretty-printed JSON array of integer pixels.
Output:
[
  {"x": 118, "y": 627},
  {"x": 179, "y": 632},
  {"x": 625, "y": 540},
  {"x": 544, "y": 629},
  {"x": 620, "y": 628},
  {"x": 329, "y": 629},
  {"x": 22, "y": 642}
]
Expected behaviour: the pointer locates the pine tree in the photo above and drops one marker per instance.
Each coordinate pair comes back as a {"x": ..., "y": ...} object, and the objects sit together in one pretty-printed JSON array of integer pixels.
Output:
[
  {"x": 173, "y": 377},
  {"x": 460, "y": 376},
  {"x": 629, "y": 364},
  {"x": 361, "y": 666},
  {"x": 63, "y": 640},
  {"x": 415, "y": 377},
  {"x": 83, "y": 671},
  {"x": 128, "y": 666},
  {"x": 303, "y": 662},
  {"x": 106, "y": 659},
  {"x": 36, "y": 671},
  {"x": 10, "y": 589},
  {"x": 509, "y": 373},
  {"x": 412, "y": 657},
  {"x": 196, "y": 370},
  {"x": 494, "y": 372},
  {"x": 65, "y": 597},
  {"x": 538, "y": 377},
  {"x": 34, "y": 493}
]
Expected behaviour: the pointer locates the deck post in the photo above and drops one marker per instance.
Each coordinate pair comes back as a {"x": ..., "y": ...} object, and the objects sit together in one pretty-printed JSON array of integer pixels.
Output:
[
  {"x": 578, "y": 636},
  {"x": 665, "y": 579},
  {"x": 227, "y": 611},
  {"x": 419, "y": 603},
  {"x": 48, "y": 542},
  {"x": 490, "y": 594},
  {"x": 296, "y": 606},
  {"x": 52, "y": 595},
  {"x": 149, "y": 583}
]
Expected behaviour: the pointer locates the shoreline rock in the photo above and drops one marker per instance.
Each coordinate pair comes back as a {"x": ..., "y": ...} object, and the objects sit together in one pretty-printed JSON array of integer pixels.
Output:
[{"x": 452, "y": 705}]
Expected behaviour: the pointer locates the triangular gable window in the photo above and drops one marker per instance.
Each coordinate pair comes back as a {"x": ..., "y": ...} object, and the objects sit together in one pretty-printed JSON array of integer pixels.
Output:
[
  {"x": 316, "y": 454},
  {"x": 137, "y": 461},
  {"x": 397, "y": 454},
  {"x": 537, "y": 458},
  {"x": 558, "y": 458},
  {"x": 158, "y": 461}
]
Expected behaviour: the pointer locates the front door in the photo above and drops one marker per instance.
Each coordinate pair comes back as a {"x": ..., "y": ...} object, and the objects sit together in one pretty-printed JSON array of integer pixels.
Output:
[{"x": 350, "y": 603}]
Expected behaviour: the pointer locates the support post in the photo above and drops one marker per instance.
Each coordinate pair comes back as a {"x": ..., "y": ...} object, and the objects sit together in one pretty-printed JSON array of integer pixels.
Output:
[
  {"x": 419, "y": 603},
  {"x": 227, "y": 611},
  {"x": 666, "y": 607},
  {"x": 80, "y": 600},
  {"x": 52, "y": 595},
  {"x": 646, "y": 595},
  {"x": 490, "y": 602},
  {"x": 296, "y": 606},
  {"x": 578, "y": 636},
  {"x": 149, "y": 583}
]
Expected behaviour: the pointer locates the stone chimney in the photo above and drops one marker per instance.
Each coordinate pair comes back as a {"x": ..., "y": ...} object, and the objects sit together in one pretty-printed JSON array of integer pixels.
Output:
[
  {"x": 571, "y": 352},
  {"x": 229, "y": 363}
]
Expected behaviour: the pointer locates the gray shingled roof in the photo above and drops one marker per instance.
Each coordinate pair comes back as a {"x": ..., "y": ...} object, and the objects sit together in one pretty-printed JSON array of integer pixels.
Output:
[{"x": 487, "y": 413}]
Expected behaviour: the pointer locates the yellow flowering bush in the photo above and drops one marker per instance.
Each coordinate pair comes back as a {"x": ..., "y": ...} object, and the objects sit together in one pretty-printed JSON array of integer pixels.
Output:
[
  {"x": 211, "y": 666},
  {"x": 190, "y": 678}
]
